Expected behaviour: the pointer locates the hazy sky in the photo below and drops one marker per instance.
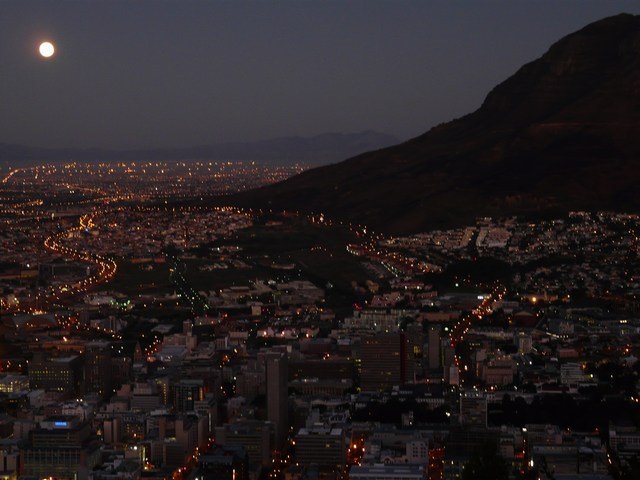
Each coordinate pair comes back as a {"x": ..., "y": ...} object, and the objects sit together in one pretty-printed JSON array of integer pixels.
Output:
[{"x": 180, "y": 73}]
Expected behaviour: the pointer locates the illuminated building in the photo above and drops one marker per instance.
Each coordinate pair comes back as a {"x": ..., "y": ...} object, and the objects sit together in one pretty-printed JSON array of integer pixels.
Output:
[
  {"x": 63, "y": 374},
  {"x": 13, "y": 383},
  {"x": 61, "y": 447}
]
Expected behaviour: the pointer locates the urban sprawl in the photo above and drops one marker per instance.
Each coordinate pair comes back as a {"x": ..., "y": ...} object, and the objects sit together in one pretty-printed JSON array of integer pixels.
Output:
[{"x": 148, "y": 334}]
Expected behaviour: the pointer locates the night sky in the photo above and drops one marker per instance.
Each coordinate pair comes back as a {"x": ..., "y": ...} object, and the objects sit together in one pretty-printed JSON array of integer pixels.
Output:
[{"x": 157, "y": 74}]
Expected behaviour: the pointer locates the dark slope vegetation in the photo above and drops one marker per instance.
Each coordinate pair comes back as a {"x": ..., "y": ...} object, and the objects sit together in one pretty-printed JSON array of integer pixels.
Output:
[{"x": 562, "y": 133}]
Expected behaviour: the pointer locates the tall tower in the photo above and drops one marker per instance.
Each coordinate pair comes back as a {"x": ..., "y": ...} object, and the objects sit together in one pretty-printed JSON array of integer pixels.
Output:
[
  {"x": 277, "y": 394},
  {"x": 386, "y": 361},
  {"x": 98, "y": 371},
  {"x": 434, "y": 347},
  {"x": 415, "y": 338}
]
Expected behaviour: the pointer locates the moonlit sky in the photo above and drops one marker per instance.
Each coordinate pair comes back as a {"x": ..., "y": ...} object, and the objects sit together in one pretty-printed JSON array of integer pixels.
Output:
[{"x": 183, "y": 73}]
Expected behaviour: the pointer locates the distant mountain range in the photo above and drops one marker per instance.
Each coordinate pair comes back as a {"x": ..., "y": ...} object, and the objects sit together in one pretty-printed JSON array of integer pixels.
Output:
[
  {"x": 318, "y": 150},
  {"x": 562, "y": 133}
]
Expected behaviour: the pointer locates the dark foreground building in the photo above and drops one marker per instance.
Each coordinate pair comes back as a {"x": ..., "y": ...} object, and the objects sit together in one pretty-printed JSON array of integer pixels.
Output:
[{"x": 61, "y": 447}]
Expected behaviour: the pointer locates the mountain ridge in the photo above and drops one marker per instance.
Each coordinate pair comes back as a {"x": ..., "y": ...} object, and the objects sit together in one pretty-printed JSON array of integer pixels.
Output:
[{"x": 561, "y": 133}]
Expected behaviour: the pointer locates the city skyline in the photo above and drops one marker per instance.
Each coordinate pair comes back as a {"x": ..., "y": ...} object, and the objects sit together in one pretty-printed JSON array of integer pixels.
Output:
[{"x": 462, "y": 305}]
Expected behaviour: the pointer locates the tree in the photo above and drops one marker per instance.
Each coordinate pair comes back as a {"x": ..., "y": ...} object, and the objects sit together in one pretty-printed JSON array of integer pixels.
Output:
[{"x": 486, "y": 464}]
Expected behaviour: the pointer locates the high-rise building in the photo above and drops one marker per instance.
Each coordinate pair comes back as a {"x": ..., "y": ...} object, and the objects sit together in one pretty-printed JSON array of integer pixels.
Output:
[
  {"x": 320, "y": 446},
  {"x": 448, "y": 354},
  {"x": 415, "y": 335},
  {"x": 98, "y": 371},
  {"x": 112, "y": 430},
  {"x": 145, "y": 397},
  {"x": 434, "y": 347},
  {"x": 339, "y": 368},
  {"x": 277, "y": 394},
  {"x": 186, "y": 433},
  {"x": 58, "y": 374},
  {"x": 223, "y": 463},
  {"x": 452, "y": 375},
  {"x": 185, "y": 393},
  {"x": 120, "y": 370},
  {"x": 252, "y": 435},
  {"x": 385, "y": 361},
  {"x": 61, "y": 447},
  {"x": 163, "y": 385}
]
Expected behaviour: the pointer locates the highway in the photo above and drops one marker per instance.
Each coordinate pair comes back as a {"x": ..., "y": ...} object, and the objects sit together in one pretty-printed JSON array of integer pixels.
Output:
[
  {"x": 459, "y": 330},
  {"x": 106, "y": 269}
]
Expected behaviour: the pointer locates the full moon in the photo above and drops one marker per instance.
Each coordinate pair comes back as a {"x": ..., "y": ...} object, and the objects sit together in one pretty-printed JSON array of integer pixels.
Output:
[{"x": 46, "y": 49}]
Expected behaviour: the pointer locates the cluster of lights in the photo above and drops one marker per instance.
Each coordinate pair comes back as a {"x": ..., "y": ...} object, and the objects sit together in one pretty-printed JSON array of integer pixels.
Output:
[
  {"x": 460, "y": 329},
  {"x": 106, "y": 267}
]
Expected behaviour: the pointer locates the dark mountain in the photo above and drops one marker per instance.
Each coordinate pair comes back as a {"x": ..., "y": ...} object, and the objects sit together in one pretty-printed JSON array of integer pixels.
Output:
[
  {"x": 562, "y": 133},
  {"x": 318, "y": 150}
]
